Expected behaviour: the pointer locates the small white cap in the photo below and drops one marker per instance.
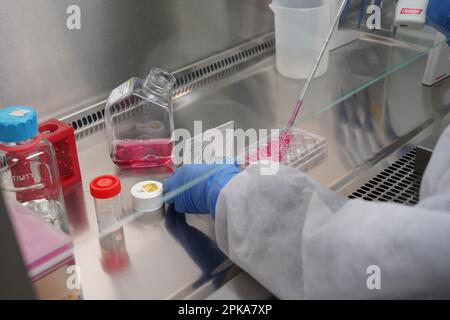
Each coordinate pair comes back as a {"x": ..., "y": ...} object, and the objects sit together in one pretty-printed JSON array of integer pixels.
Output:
[{"x": 147, "y": 196}]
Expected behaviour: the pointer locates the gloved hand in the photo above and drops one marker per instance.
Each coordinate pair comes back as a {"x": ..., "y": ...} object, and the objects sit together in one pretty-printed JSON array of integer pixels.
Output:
[
  {"x": 195, "y": 188},
  {"x": 438, "y": 16}
]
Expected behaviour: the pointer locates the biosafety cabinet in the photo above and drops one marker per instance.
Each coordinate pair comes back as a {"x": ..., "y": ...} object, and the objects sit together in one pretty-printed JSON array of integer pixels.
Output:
[{"x": 379, "y": 99}]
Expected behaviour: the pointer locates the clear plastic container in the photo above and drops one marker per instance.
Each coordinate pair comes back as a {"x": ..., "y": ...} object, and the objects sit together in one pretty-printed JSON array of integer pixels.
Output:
[
  {"x": 28, "y": 167},
  {"x": 114, "y": 251},
  {"x": 139, "y": 121},
  {"x": 108, "y": 207},
  {"x": 301, "y": 149},
  {"x": 301, "y": 28}
]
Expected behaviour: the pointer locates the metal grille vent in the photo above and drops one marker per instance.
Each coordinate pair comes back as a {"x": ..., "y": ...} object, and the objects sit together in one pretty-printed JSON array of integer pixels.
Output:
[
  {"x": 398, "y": 183},
  {"x": 188, "y": 79},
  {"x": 93, "y": 117},
  {"x": 223, "y": 65}
]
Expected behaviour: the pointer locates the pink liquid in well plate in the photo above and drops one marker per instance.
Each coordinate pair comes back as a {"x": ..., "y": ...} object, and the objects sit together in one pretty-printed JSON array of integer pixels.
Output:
[
  {"x": 275, "y": 150},
  {"x": 143, "y": 154}
]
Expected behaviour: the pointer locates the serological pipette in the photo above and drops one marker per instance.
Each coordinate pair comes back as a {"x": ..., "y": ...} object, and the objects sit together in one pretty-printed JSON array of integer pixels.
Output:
[{"x": 314, "y": 69}]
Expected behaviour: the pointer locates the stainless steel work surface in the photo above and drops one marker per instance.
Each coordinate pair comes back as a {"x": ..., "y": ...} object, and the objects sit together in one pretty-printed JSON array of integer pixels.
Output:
[
  {"x": 175, "y": 256},
  {"x": 170, "y": 255}
]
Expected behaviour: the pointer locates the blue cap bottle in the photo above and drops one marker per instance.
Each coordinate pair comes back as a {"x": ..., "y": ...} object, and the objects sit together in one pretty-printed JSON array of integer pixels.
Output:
[{"x": 17, "y": 123}]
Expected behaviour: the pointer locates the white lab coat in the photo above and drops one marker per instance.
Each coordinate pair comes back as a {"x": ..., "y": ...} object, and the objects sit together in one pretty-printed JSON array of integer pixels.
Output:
[{"x": 301, "y": 240}]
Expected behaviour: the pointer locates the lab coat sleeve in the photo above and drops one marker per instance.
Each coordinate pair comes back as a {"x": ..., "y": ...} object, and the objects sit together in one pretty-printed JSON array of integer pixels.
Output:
[{"x": 301, "y": 240}]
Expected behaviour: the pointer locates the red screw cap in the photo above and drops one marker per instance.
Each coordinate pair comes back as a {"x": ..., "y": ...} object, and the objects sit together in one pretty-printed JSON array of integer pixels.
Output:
[{"x": 105, "y": 187}]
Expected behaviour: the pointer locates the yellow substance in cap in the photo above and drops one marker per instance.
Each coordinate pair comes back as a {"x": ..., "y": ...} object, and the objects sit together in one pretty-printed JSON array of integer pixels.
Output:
[{"x": 150, "y": 187}]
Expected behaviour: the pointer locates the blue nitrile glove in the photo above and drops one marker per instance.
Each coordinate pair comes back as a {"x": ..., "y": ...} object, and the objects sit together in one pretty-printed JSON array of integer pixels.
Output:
[
  {"x": 195, "y": 188},
  {"x": 438, "y": 16}
]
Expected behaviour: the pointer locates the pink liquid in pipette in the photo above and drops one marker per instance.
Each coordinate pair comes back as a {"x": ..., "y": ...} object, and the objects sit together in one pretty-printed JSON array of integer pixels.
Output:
[
  {"x": 143, "y": 154},
  {"x": 294, "y": 115}
]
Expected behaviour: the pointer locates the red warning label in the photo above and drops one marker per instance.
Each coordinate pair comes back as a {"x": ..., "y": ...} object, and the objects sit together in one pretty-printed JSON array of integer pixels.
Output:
[{"x": 413, "y": 11}]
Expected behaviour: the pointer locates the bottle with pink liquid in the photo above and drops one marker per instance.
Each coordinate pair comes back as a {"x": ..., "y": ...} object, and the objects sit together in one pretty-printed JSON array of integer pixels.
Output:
[{"x": 139, "y": 121}]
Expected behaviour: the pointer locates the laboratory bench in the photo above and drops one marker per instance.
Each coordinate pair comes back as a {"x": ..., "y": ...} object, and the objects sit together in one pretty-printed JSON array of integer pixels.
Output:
[{"x": 370, "y": 106}]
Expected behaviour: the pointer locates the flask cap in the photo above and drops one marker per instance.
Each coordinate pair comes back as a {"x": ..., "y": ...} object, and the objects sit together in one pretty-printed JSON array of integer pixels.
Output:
[
  {"x": 17, "y": 123},
  {"x": 105, "y": 187}
]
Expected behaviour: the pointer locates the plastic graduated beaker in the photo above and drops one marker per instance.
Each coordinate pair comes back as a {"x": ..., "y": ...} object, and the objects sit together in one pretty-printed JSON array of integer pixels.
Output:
[{"x": 301, "y": 27}]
